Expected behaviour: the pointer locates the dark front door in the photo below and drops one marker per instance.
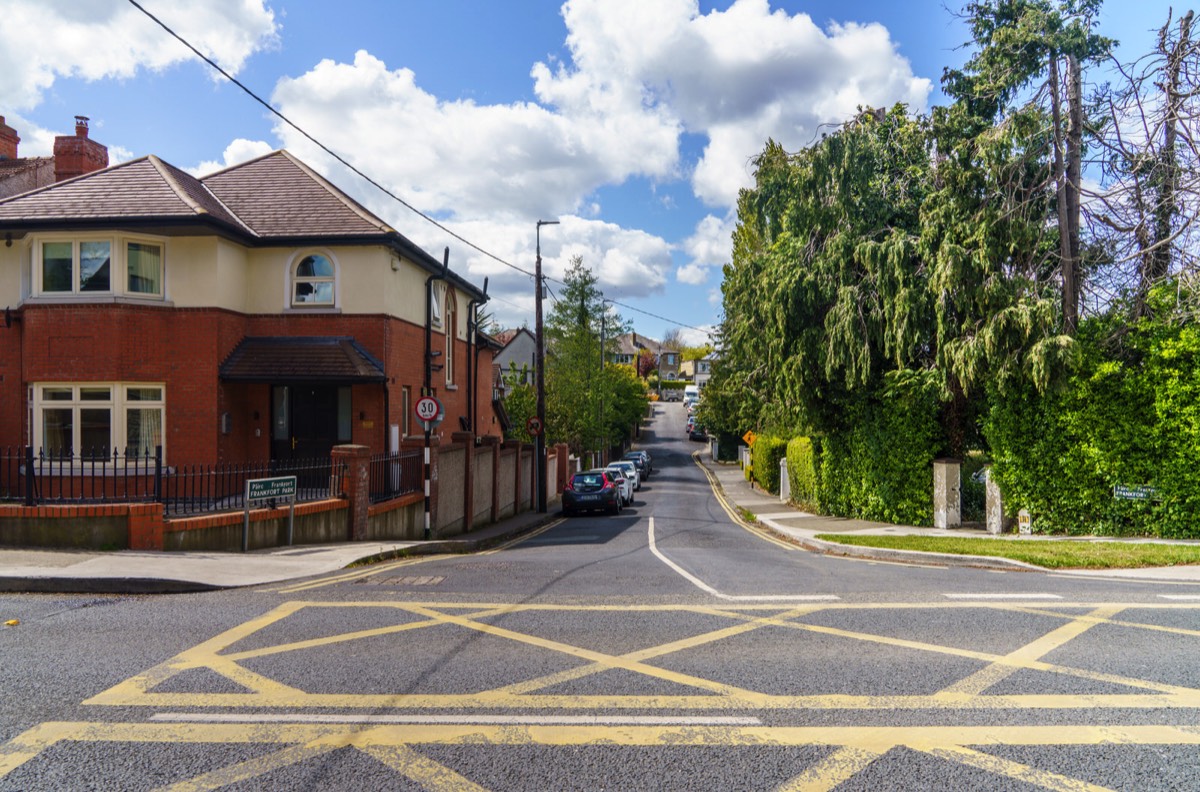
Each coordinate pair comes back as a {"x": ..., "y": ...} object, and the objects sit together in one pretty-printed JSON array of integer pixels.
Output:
[{"x": 308, "y": 420}]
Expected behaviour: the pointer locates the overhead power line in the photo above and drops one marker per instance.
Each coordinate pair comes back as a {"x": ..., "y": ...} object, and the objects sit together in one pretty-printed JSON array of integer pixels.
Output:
[{"x": 249, "y": 92}]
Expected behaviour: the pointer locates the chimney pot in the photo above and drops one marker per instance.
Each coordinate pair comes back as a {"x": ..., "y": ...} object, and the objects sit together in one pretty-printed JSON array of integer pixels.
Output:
[{"x": 81, "y": 126}]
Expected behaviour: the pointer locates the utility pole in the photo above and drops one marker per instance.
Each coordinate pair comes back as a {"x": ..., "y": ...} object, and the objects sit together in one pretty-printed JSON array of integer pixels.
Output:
[{"x": 540, "y": 440}]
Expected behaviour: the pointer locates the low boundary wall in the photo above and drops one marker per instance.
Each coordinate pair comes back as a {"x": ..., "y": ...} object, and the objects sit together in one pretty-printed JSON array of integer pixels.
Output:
[{"x": 488, "y": 482}]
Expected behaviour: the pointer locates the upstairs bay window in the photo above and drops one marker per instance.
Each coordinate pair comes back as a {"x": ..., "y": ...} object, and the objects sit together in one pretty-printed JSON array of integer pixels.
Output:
[{"x": 81, "y": 267}]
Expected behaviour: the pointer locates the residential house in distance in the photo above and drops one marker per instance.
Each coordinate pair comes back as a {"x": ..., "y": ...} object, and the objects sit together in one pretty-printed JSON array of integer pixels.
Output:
[
  {"x": 697, "y": 371},
  {"x": 518, "y": 355},
  {"x": 631, "y": 345},
  {"x": 668, "y": 363},
  {"x": 257, "y": 313},
  {"x": 73, "y": 156}
]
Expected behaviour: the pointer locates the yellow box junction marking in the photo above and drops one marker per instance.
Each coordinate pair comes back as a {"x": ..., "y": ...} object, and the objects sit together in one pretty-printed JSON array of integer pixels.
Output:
[
  {"x": 218, "y": 656},
  {"x": 855, "y": 748}
]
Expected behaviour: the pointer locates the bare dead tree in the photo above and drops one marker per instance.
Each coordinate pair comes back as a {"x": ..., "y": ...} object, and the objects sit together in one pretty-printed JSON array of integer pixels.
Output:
[{"x": 1149, "y": 197}]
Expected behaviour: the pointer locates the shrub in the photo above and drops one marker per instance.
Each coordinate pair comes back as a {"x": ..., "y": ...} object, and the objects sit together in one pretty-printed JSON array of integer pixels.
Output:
[
  {"x": 802, "y": 470},
  {"x": 765, "y": 457},
  {"x": 880, "y": 466}
]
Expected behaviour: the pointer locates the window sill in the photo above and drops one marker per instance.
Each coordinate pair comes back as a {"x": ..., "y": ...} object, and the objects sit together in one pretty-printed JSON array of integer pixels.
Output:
[
  {"x": 98, "y": 299},
  {"x": 315, "y": 309},
  {"x": 450, "y": 386}
]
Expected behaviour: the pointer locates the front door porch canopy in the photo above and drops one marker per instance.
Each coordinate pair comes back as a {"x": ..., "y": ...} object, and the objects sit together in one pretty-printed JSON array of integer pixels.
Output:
[{"x": 281, "y": 360}]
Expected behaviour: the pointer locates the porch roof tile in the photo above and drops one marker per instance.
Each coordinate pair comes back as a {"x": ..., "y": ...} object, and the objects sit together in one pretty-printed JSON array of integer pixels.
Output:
[{"x": 291, "y": 359}]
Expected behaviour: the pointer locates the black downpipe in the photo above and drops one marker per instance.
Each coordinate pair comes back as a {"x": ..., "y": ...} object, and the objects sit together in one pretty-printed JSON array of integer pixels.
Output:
[
  {"x": 473, "y": 358},
  {"x": 428, "y": 385}
]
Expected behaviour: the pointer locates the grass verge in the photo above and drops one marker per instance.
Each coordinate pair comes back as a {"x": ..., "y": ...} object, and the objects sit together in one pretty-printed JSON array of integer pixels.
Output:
[{"x": 1052, "y": 554}]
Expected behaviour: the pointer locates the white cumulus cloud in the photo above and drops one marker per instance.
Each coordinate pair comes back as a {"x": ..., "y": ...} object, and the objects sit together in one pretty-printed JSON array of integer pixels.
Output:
[{"x": 98, "y": 39}]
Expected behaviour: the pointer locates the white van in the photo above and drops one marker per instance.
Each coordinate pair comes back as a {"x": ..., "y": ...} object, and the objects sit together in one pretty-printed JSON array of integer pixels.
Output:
[{"x": 691, "y": 394}]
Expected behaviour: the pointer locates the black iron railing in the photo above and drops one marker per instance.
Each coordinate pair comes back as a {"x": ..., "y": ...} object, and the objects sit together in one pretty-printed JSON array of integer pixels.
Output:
[
  {"x": 393, "y": 475},
  {"x": 63, "y": 477},
  {"x": 198, "y": 489}
]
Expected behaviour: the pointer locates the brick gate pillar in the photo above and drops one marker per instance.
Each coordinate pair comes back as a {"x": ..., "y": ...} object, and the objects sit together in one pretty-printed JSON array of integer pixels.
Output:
[{"x": 354, "y": 461}]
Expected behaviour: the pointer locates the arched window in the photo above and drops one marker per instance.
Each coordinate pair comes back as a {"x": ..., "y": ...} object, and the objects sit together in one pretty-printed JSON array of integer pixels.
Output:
[
  {"x": 313, "y": 281},
  {"x": 451, "y": 327}
]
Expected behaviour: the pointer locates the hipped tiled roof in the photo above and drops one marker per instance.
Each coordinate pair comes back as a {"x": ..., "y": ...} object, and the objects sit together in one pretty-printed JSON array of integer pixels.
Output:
[
  {"x": 275, "y": 199},
  {"x": 292, "y": 359},
  {"x": 272, "y": 197}
]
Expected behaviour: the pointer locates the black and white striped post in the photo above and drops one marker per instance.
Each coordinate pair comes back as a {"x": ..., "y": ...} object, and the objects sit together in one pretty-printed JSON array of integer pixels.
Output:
[{"x": 430, "y": 412}]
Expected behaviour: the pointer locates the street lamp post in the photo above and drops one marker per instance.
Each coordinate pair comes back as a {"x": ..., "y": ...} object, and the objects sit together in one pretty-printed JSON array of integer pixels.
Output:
[
  {"x": 540, "y": 440},
  {"x": 603, "y": 429}
]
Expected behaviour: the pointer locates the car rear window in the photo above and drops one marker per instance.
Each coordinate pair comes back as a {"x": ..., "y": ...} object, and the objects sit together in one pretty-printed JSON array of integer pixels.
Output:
[{"x": 587, "y": 481}]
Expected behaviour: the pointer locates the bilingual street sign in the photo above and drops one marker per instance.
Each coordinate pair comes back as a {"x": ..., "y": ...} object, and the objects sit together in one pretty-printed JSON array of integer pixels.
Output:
[
  {"x": 1134, "y": 493},
  {"x": 276, "y": 488},
  {"x": 1024, "y": 523},
  {"x": 430, "y": 411}
]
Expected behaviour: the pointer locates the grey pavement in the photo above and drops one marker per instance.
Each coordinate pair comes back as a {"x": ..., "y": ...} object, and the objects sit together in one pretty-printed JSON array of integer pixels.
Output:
[
  {"x": 140, "y": 571},
  {"x": 802, "y": 528}
]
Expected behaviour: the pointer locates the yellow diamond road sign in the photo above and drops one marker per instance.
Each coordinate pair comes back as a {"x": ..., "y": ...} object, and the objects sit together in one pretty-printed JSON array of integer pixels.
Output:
[{"x": 749, "y": 437}]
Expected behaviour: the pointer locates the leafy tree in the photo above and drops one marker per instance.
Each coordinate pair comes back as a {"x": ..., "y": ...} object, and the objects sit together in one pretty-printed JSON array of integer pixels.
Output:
[
  {"x": 520, "y": 402},
  {"x": 587, "y": 404},
  {"x": 646, "y": 363}
]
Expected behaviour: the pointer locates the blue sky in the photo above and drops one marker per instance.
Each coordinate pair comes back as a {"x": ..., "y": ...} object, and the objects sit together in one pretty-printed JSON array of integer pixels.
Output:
[{"x": 631, "y": 121}]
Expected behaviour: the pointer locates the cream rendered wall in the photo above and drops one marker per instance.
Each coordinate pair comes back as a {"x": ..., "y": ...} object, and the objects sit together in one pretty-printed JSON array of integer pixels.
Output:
[
  {"x": 191, "y": 271},
  {"x": 14, "y": 272}
]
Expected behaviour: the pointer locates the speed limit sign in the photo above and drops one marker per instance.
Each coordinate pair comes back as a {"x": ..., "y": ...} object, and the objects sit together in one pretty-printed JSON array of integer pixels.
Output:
[{"x": 429, "y": 410}]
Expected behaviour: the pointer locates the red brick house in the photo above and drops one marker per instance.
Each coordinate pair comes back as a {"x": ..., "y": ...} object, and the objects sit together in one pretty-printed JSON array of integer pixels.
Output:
[{"x": 255, "y": 313}]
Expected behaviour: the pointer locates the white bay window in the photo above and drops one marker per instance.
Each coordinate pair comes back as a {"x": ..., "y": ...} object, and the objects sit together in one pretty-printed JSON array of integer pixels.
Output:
[
  {"x": 95, "y": 420},
  {"x": 81, "y": 266}
]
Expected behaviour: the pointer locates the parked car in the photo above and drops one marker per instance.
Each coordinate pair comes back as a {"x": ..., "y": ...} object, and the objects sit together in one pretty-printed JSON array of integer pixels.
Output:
[
  {"x": 631, "y": 471},
  {"x": 691, "y": 424},
  {"x": 697, "y": 433},
  {"x": 591, "y": 490},
  {"x": 624, "y": 483},
  {"x": 642, "y": 460}
]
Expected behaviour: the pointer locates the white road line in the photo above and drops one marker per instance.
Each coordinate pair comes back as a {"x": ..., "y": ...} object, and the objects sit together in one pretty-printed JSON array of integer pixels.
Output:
[
  {"x": 1002, "y": 596},
  {"x": 700, "y": 584},
  {"x": 502, "y": 720},
  {"x": 1187, "y": 597}
]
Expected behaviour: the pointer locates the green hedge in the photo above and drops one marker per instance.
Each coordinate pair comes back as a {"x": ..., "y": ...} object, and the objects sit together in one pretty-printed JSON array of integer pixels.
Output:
[
  {"x": 802, "y": 470},
  {"x": 880, "y": 467},
  {"x": 764, "y": 459},
  {"x": 669, "y": 384},
  {"x": 1132, "y": 421}
]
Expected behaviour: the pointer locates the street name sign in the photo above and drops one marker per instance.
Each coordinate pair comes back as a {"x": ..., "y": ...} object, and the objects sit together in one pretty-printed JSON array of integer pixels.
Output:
[{"x": 271, "y": 488}]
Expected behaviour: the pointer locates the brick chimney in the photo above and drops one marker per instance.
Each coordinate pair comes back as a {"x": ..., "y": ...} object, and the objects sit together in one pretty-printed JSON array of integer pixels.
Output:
[
  {"x": 77, "y": 155},
  {"x": 8, "y": 141}
]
